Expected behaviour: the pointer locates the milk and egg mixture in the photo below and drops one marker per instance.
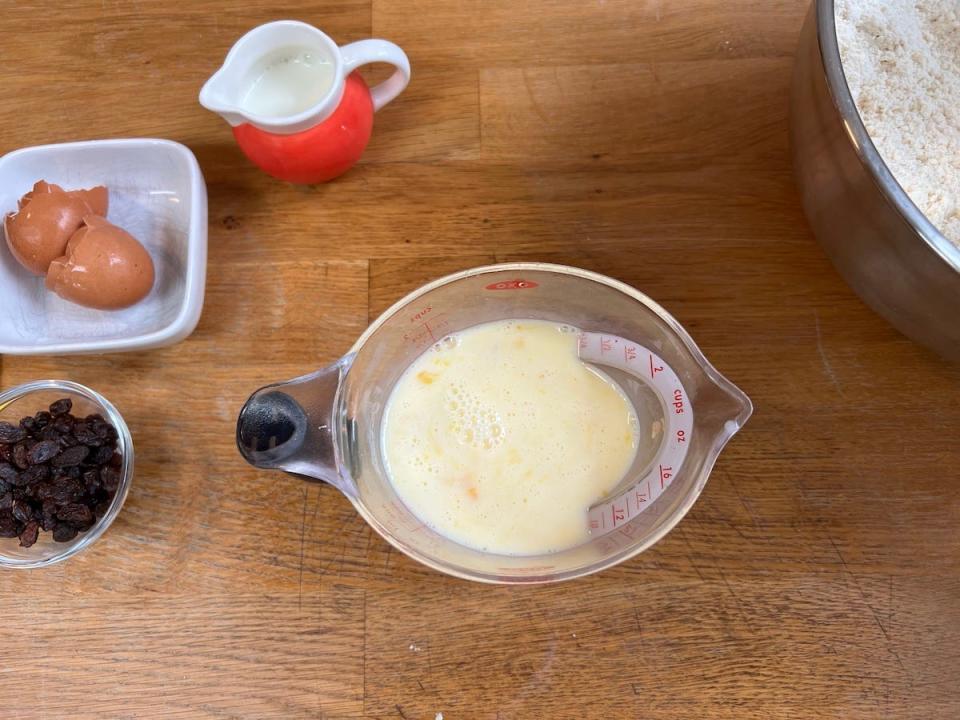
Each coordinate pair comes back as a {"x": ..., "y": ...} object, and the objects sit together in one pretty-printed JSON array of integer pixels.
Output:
[{"x": 500, "y": 438}]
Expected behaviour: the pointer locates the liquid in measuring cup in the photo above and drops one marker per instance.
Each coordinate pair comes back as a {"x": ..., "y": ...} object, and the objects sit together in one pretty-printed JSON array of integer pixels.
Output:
[
  {"x": 500, "y": 438},
  {"x": 287, "y": 82}
]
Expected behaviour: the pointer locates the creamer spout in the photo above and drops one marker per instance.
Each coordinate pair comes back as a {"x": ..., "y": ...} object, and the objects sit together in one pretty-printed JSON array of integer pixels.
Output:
[{"x": 219, "y": 95}]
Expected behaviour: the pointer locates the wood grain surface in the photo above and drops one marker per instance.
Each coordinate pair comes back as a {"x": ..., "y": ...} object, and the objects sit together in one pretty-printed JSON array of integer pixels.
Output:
[{"x": 818, "y": 576}]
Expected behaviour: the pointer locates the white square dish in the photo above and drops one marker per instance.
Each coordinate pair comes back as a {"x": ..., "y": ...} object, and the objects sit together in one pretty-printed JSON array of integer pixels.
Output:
[{"x": 158, "y": 195}]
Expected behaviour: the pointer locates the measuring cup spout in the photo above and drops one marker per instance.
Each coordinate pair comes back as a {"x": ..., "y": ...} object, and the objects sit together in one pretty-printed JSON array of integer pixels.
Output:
[
  {"x": 292, "y": 426},
  {"x": 733, "y": 405}
]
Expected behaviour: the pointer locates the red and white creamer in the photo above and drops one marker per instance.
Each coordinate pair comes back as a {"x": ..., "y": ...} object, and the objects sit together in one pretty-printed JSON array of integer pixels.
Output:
[{"x": 297, "y": 106}]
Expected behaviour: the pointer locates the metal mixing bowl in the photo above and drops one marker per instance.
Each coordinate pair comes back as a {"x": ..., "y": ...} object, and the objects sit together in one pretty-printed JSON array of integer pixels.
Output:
[{"x": 883, "y": 246}]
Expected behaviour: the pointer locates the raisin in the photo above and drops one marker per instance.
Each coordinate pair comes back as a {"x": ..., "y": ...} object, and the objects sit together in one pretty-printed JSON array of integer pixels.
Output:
[
  {"x": 48, "y": 515},
  {"x": 20, "y": 456},
  {"x": 29, "y": 534},
  {"x": 50, "y": 433},
  {"x": 102, "y": 455},
  {"x": 116, "y": 460},
  {"x": 61, "y": 490},
  {"x": 71, "y": 456},
  {"x": 19, "y": 480},
  {"x": 61, "y": 407},
  {"x": 11, "y": 433},
  {"x": 85, "y": 435},
  {"x": 37, "y": 473},
  {"x": 8, "y": 526},
  {"x": 62, "y": 532},
  {"x": 43, "y": 451},
  {"x": 29, "y": 425},
  {"x": 110, "y": 478},
  {"x": 6, "y": 501},
  {"x": 68, "y": 440},
  {"x": 76, "y": 514},
  {"x": 6, "y": 453},
  {"x": 8, "y": 473},
  {"x": 42, "y": 419},
  {"x": 22, "y": 512},
  {"x": 91, "y": 480}
]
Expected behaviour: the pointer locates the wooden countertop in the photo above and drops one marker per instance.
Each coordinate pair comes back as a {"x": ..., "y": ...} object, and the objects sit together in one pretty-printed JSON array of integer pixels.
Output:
[{"x": 818, "y": 576}]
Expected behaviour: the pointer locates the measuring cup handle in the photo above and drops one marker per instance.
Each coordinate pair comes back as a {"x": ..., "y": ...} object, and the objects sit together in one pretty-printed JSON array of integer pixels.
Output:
[
  {"x": 364, "y": 52},
  {"x": 291, "y": 426}
]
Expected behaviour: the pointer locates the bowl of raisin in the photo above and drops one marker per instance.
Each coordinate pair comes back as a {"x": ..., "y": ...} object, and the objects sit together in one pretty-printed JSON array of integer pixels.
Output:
[{"x": 66, "y": 461}]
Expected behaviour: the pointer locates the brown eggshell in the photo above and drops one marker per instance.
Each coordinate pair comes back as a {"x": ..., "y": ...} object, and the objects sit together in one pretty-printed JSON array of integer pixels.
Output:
[
  {"x": 47, "y": 216},
  {"x": 104, "y": 267}
]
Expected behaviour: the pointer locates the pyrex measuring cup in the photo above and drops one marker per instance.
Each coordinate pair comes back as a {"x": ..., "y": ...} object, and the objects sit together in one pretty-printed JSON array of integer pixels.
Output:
[{"x": 327, "y": 425}]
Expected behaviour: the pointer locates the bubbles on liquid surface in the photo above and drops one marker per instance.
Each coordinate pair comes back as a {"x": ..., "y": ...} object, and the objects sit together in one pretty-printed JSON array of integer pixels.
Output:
[
  {"x": 447, "y": 343},
  {"x": 472, "y": 422}
]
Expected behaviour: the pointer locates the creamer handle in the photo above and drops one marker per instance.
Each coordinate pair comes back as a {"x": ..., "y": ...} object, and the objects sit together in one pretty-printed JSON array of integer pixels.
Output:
[{"x": 364, "y": 52}]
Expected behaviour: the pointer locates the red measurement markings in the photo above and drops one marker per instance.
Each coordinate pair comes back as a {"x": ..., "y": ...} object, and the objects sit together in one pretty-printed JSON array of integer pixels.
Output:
[
  {"x": 629, "y": 353},
  {"x": 418, "y": 336},
  {"x": 427, "y": 332},
  {"x": 513, "y": 285},
  {"x": 594, "y": 525},
  {"x": 618, "y": 514},
  {"x": 665, "y": 474},
  {"x": 605, "y": 345},
  {"x": 422, "y": 314},
  {"x": 678, "y": 401},
  {"x": 654, "y": 369},
  {"x": 640, "y": 497},
  {"x": 681, "y": 436}
]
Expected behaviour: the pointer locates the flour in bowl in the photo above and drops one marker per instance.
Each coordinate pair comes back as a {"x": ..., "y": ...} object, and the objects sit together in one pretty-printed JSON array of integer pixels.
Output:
[{"x": 901, "y": 59}]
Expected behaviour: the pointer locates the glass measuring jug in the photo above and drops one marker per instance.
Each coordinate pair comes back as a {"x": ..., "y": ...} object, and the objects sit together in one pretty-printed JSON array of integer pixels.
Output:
[{"x": 327, "y": 425}]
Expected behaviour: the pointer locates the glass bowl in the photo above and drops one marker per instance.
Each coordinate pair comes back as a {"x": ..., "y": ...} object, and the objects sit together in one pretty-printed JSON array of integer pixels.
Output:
[{"x": 28, "y": 399}]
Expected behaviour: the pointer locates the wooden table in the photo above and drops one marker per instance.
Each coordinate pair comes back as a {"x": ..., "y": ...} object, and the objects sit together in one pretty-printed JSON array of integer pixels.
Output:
[{"x": 817, "y": 576}]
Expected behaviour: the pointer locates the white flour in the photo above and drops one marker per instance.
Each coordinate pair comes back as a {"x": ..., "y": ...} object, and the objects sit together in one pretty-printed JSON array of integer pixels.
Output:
[{"x": 902, "y": 62}]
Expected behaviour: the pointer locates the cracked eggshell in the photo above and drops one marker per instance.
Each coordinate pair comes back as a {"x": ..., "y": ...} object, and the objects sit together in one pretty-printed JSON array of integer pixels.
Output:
[
  {"x": 104, "y": 267},
  {"x": 46, "y": 217}
]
